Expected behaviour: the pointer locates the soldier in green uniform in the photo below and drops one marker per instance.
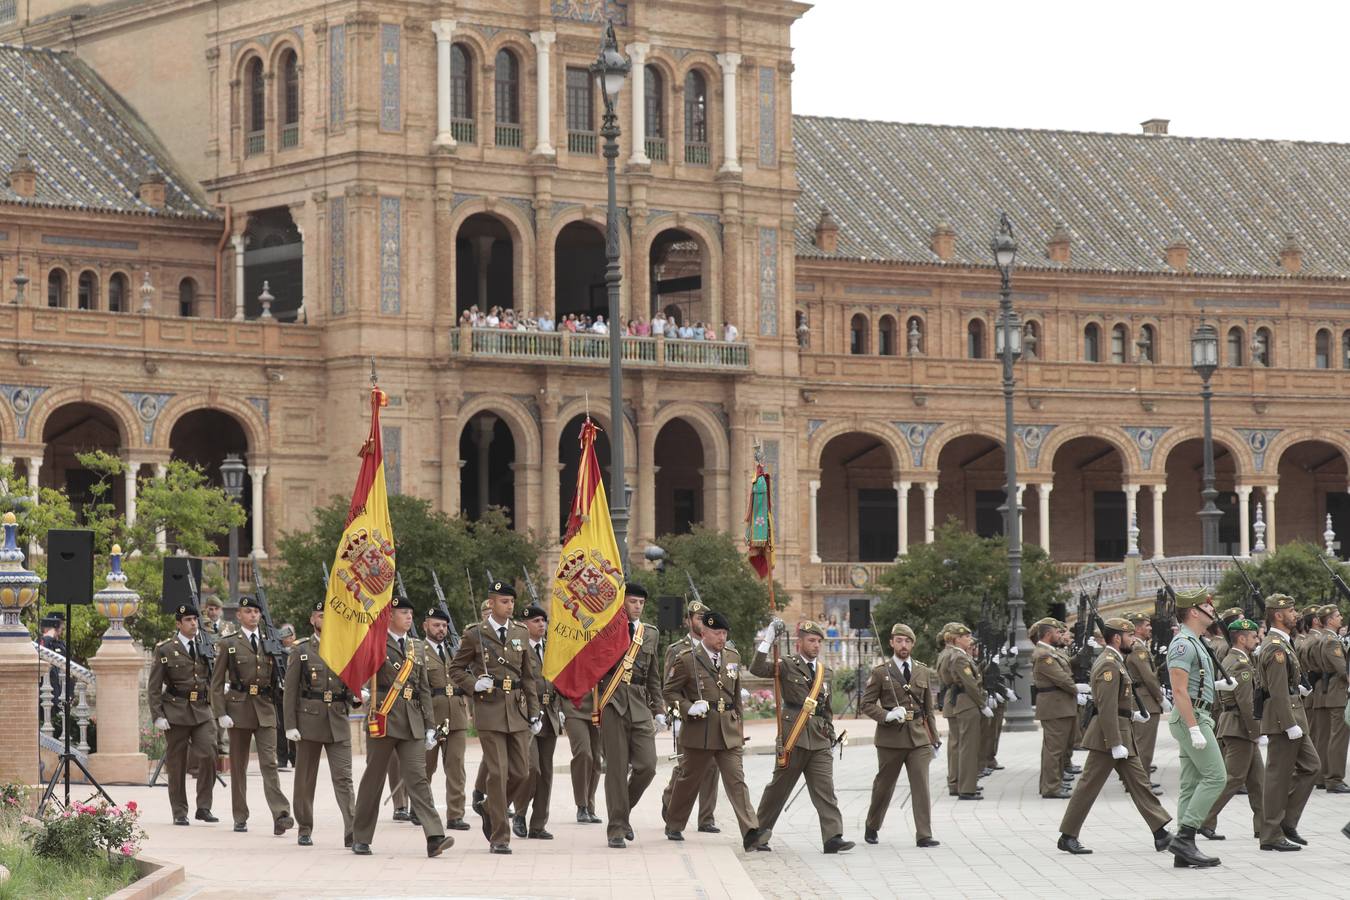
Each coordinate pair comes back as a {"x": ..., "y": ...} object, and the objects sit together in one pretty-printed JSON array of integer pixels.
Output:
[
  {"x": 899, "y": 698},
  {"x": 241, "y": 699},
  {"x": 449, "y": 714},
  {"x": 1308, "y": 649},
  {"x": 704, "y": 684},
  {"x": 1057, "y": 699},
  {"x": 1239, "y": 730},
  {"x": 1148, "y": 693},
  {"x": 1332, "y": 696},
  {"x": 314, "y": 709},
  {"x": 179, "y": 690},
  {"x": 707, "y": 793},
  {"x": 964, "y": 702},
  {"x": 939, "y": 665},
  {"x": 583, "y": 736},
  {"x": 803, "y": 746},
  {"x": 1291, "y": 759},
  {"x": 532, "y": 806},
  {"x": 1194, "y": 677},
  {"x": 1109, "y": 742}
]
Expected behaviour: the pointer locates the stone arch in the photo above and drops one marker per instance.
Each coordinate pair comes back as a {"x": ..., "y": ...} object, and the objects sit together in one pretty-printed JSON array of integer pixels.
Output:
[
  {"x": 524, "y": 429},
  {"x": 130, "y": 433},
  {"x": 577, "y": 406},
  {"x": 247, "y": 51},
  {"x": 710, "y": 430},
  {"x": 248, "y": 416},
  {"x": 1287, "y": 439},
  {"x": 521, "y": 231},
  {"x": 9, "y": 423},
  {"x": 710, "y": 246},
  {"x": 594, "y": 216},
  {"x": 889, "y": 438},
  {"x": 1244, "y": 464},
  {"x": 272, "y": 59},
  {"x": 1131, "y": 467},
  {"x": 945, "y": 434}
]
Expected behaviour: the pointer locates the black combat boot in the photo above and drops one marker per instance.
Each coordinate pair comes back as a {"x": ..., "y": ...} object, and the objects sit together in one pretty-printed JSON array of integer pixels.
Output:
[{"x": 1186, "y": 854}]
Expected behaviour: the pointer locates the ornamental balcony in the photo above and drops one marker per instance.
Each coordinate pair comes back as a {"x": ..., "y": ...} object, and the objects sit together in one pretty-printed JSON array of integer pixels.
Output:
[{"x": 496, "y": 345}]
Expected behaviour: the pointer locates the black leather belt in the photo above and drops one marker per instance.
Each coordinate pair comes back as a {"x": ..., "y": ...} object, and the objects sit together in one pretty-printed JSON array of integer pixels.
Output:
[
  {"x": 192, "y": 696},
  {"x": 1124, "y": 713},
  {"x": 440, "y": 692},
  {"x": 253, "y": 690},
  {"x": 326, "y": 696}
]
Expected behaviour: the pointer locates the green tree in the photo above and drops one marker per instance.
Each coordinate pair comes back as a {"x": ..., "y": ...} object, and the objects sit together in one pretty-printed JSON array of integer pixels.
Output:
[
  {"x": 947, "y": 581},
  {"x": 724, "y": 578},
  {"x": 1290, "y": 569},
  {"x": 423, "y": 538}
]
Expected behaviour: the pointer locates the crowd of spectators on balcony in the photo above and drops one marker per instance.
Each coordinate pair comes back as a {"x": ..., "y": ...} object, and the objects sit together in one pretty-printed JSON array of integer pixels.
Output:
[{"x": 580, "y": 323}]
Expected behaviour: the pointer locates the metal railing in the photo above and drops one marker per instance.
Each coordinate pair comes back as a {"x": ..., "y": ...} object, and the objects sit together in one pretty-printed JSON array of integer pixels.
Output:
[
  {"x": 594, "y": 348},
  {"x": 508, "y": 135},
  {"x": 697, "y": 154},
  {"x": 51, "y": 688},
  {"x": 581, "y": 143},
  {"x": 290, "y": 136},
  {"x": 462, "y": 130},
  {"x": 656, "y": 149},
  {"x": 254, "y": 143}
]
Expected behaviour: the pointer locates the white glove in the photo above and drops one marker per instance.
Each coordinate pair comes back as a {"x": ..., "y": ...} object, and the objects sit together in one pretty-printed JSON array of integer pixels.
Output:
[
  {"x": 536, "y": 725},
  {"x": 1010, "y": 695},
  {"x": 896, "y": 715},
  {"x": 562, "y": 720},
  {"x": 661, "y": 721},
  {"x": 1166, "y": 705},
  {"x": 986, "y": 712},
  {"x": 431, "y": 738},
  {"x": 482, "y": 684},
  {"x": 1303, "y": 690},
  {"x": 1082, "y": 699},
  {"x": 1012, "y": 650},
  {"x": 1197, "y": 738},
  {"x": 676, "y": 728},
  {"x": 1263, "y": 740},
  {"x": 765, "y": 638},
  {"x": 293, "y": 734},
  {"x": 1119, "y": 752},
  {"x": 1083, "y": 688},
  {"x": 698, "y": 709},
  {"x": 745, "y": 696},
  {"x": 365, "y": 695},
  {"x": 1138, "y": 716},
  {"x": 1294, "y": 732},
  {"x": 162, "y": 724},
  {"x": 1225, "y": 684},
  {"x": 1092, "y": 642},
  {"x": 226, "y": 722}
]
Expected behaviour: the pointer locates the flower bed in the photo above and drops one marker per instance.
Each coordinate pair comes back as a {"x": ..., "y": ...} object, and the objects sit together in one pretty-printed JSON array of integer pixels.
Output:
[{"x": 86, "y": 850}]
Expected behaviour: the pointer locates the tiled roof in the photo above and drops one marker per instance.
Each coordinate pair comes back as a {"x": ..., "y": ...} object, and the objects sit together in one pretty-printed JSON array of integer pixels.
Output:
[
  {"x": 1123, "y": 197},
  {"x": 88, "y": 146}
]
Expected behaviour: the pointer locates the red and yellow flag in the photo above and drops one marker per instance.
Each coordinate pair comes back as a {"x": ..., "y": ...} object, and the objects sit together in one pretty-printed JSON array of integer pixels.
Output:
[
  {"x": 759, "y": 524},
  {"x": 587, "y": 634},
  {"x": 356, "y": 610}
]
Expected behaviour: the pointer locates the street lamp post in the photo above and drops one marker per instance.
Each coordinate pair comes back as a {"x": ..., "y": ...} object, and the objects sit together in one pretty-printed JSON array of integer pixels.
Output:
[
  {"x": 610, "y": 68},
  {"x": 1205, "y": 359},
  {"x": 1008, "y": 345},
  {"x": 232, "y": 474}
]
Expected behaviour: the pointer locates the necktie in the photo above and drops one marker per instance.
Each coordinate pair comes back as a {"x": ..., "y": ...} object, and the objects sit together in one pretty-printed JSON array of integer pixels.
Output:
[
  {"x": 812, "y": 666},
  {"x": 906, "y": 670},
  {"x": 440, "y": 651},
  {"x": 401, "y": 648},
  {"x": 501, "y": 635},
  {"x": 630, "y": 630},
  {"x": 539, "y": 650},
  {"x": 192, "y": 650},
  {"x": 253, "y": 641}
]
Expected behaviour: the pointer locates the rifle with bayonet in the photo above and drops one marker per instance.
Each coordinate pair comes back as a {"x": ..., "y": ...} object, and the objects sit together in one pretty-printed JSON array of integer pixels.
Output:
[
  {"x": 1341, "y": 587},
  {"x": 1254, "y": 606},
  {"x": 529, "y": 586},
  {"x": 271, "y": 640},
  {"x": 445, "y": 608}
]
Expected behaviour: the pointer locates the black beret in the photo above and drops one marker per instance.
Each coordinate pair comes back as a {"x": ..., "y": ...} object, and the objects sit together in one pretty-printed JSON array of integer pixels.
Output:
[
  {"x": 187, "y": 609},
  {"x": 248, "y": 602},
  {"x": 533, "y": 611},
  {"x": 57, "y": 615},
  {"x": 501, "y": 588},
  {"x": 318, "y": 606},
  {"x": 400, "y": 603},
  {"x": 714, "y": 619},
  {"x": 437, "y": 613},
  {"x": 633, "y": 589}
]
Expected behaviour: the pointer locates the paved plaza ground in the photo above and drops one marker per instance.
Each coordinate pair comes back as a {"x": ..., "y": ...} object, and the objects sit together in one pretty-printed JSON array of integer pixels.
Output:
[{"x": 1003, "y": 846}]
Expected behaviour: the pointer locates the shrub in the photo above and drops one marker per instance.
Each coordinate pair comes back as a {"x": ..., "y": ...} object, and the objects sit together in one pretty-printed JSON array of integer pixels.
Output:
[{"x": 81, "y": 830}]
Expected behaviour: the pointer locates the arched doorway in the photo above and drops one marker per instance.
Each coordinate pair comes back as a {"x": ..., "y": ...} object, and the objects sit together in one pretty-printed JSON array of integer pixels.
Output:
[
  {"x": 856, "y": 504},
  {"x": 679, "y": 478},
  {"x": 677, "y": 267},
  {"x": 1313, "y": 485},
  {"x": 274, "y": 254},
  {"x": 579, "y": 271},
  {"x": 1087, "y": 502},
  {"x": 204, "y": 437},
  {"x": 69, "y": 431},
  {"x": 1185, "y": 478},
  {"x": 484, "y": 264},
  {"x": 488, "y": 451},
  {"x": 569, "y": 454},
  {"x": 970, "y": 484}
]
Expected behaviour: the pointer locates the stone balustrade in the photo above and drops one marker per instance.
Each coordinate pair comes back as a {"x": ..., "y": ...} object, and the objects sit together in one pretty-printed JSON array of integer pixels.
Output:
[
  {"x": 1135, "y": 580},
  {"x": 659, "y": 352}
]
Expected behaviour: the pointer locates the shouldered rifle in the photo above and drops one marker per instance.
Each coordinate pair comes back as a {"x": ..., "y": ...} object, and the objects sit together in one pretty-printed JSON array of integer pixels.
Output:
[
  {"x": 403, "y": 595},
  {"x": 445, "y": 608},
  {"x": 1341, "y": 587},
  {"x": 205, "y": 649},
  {"x": 693, "y": 588},
  {"x": 529, "y": 585},
  {"x": 1083, "y": 655},
  {"x": 271, "y": 642},
  {"x": 326, "y": 578},
  {"x": 1255, "y": 605}
]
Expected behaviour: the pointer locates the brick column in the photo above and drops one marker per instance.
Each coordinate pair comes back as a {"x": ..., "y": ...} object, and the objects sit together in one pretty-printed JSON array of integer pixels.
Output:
[{"x": 20, "y": 668}]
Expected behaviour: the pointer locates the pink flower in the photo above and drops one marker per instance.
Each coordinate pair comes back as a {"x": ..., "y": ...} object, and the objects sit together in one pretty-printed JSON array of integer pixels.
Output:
[
  {"x": 127, "y": 848},
  {"x": 131, "y": 806}
]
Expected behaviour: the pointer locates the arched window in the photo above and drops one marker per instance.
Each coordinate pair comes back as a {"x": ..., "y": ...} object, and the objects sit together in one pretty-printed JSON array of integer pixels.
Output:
[
  {"x": 56, "y": 288},
  {"x": 1322, "y": 349},
  {"x": 914, "y": 336},
  {"x": 857, "y": 335},
  {"x": 696, "y": 149},
  {"x": 886, "y": 336},
  {"x": 187, "y": 298},
  {"x": 1147, "y": 344},
  {"x": 117, "y": 293},
  {"x": 86, "y": 291},
  {"x": 1237, "y": 347},
  {"x": 1120, "y": 343},
  {"x": 256, "y": 115},
  {"x": 290, "y": 100},
  {"x": 1092, "y": 343},
  {"x": 506, "y": 91},
  {"x": 975, "y": 339},
  {"x": 655, "y": 116},
  {"x": 1262, "y": 352},
  {"x": 1031, "y": 340},
  {"x": 461, "y": 94}
]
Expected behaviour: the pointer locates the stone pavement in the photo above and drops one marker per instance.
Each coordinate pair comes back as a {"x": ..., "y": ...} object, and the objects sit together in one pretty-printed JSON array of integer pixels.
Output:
[{"x": 1001, "y": 847}]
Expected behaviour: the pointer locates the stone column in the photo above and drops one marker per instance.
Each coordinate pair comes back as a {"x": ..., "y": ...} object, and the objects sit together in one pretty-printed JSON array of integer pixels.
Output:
[
  {"x": 257, "y": 474},
  {"x": 482, "y": 256},
  {"x": 548, "y": 468},
  {"x": 117, "y": 665},
  {"x": 238, "y": 242},
  {"x": 1271, "y": 491},
  {"x": 543, "y": 46},
  {"x": 444, "y": 30},
  {"x": 929, "y": 489},
  {"x": 731, "y": 139},
  {"x": 161, "y": 536},
  {"x": 1043, "y": 501},
  {"x": 482, "y": 439},
  {"x": 813, "y": 514},
  {"x": 34, "y": 491},
  {"x": 133, "y": 469},
  {"x": 646, "y": 479},
  {"x": 1018, "y": 504},
  {"x": 741, "y": 459},
  {"x": 1244, "y": 496},
  {"x": 902, "y": 502},
  {"x": 449, "y": 426},
  {"x": 637, "y": 54},
  {"x": 1131, "y": 504},
  {"x": 1158, "y": 491}
]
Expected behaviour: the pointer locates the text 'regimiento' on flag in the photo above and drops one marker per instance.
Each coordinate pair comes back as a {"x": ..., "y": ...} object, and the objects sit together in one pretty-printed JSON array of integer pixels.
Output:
[
  {"x": 586, "y": 633},
  {"x": 759, "y": 523},
  {"x": 361, "y": 584}
]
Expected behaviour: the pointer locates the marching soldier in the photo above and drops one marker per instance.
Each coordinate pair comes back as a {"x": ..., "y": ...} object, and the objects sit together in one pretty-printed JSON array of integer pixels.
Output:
[
  {"x": 494, "y": 663},
  {"x": 964, "y": 702},
  {"x": 940, "y": 665},
  {"x": 583, "y": 735},
  {"x": 1148, "y": 693},
  {"x": 1109, "y": 742},
  {"x": 450, "y": 716},
  {"x": 1308, "y": 649},
  {"x": 1291, "y": 759},
  {"x": 1057, "y": 699},
  {"x": 1217, "y": 635},
  {"x": 807, "y": 734},
  {"x": 180, "y": 705},
  {"x": 398, "y": 724},
  {"x": 241, "y": 699},
  {"x": 707, "y": 792},
  {"x": 539, "y": 786},
  {"x": 630, "y": 708},
  {"x": 213, "y": 625},
  {"x": 314, "y": 708},
  {"x": 704, "y": 684},
  {"x": 899, "y": 698},
  {"x": 991, "y": 729},
  {"x": 1239, "y": 730},
  {"x": 1333, "y": 695}
]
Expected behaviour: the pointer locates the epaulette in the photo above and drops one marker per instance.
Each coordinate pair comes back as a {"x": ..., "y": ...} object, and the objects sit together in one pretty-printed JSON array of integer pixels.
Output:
[
  {"x": 685, "y": 652},
  {"x": 471, "y": 626}
]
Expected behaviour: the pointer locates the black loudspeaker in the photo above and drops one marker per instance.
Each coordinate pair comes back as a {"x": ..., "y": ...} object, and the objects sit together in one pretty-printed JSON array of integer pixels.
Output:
[
  {"x": 1059, "y": 611},
  {"x": 670, "y": 614},
  {"x": 860, "y": 613},
  {"x": 70, "y": 566},
  {"x": 176, "y": 591}
]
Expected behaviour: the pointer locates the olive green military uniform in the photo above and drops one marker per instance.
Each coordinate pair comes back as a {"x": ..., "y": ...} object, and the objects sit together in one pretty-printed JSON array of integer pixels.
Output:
[
  {"x": 1239, "y": 734},
  {"x": 1309, "y": 653},
  {"x": 1148, "y": 697},
  {"x": 991, "y": 731},
  {"x": 940, "y": 665},
  {"x": 810, "y": 757},
  {"x": 241, "y": 688},
  {"x": 1056, "y": 700},
  {"x": 1113, "y": 698},
  {"x": 1291, "y": 763},
  {"x": 964, "y": 699},
  {"x": 538, "y": 791},
  {"x": 315, "y": 703},
  {"x": 450, "y": 716},
  {"x": 707, "y": 791},
  {"x": 902, "y": 743},
  {"x": 583, "y": 736},
  {"x": 178, "y": 691},
  {"x": 1329, "y": 704},
  {"x": 501, "y": 714},
  {"x": 628, "y": 728}
]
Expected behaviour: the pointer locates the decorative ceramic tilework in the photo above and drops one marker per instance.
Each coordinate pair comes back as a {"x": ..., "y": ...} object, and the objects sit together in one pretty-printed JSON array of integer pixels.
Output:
[
  {"x": 1146, "y": 439},
  {"x": 1033, "y": 438},
  {"x": 391, "y": 88},
  {"x": 917, "y": 435},
  {"x": 67, "y": 240},
  {"x": 1258, "y": 439},
  {"x": 591, "y": 10},
  {"x": 337, "y": 76},
  {"x": 768, "y": 281},
  {"x": 391, "y": 240},
  {"x": 768, "y": 116},
  {"x": 263, "y": 406},
  {"x": 21, "y": 398},
  {"x": 337, "y": 254},
  {"x": 1233, "y": 303},
  {"x": 392, "y": 438},
  {"x": 9, "y": 11},
  {"x": 812, "y": 426},
  {"x": 886, "y": 290},
  {"x": 1108, "y": 300},
  {"x": 148, "y": 407}
]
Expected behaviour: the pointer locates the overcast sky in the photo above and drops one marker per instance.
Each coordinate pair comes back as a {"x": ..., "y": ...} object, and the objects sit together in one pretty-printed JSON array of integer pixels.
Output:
[{"x": 1216, "y": 69}]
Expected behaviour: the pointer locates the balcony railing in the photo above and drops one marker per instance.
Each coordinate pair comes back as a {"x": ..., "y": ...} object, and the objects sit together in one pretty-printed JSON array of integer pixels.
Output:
[
  {"x": 853, "y": 576},
  {"x": 1121, "y": 585},
  {"x": 254, "y": 143},
  {"x": 509, "y": 135},
  {"x": 656, "y": 149},
  {"x": 462, "y": 131},
  {"x": 581, "y": 143},
  {"x": 290, "y": 136},
  {"x": 493, "y": 343},
  {"x": 697, "y": 154}
]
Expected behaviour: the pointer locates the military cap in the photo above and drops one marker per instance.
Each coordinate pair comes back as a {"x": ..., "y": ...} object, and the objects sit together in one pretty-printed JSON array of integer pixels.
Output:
[
  {"x": 51, "y": 622},
  {"x": 286, "y": 631},
  {"x": 1311, "y": 611},
  {"x": 502, "y": 589},
  {"x": 1279, "y": 601},
  {"x": 1330, "y": 610},
  {"x": 715, "y": 620},
  {"x": 633, "y": 589},
  {"x": 1136, "y": 618},
  {"x": 437, "y": 613},
  {"x": 695, "y": 608},
  {"x": 901, "y": 628},
  {"x": 534, "y": 611},
  {"x": 401, "y": 603},
  {"x": 318, "y": 606},
  {"x": 1192, "y": 597},
  {"x": 249, "y": 602},
  {"x": 1231, "y": 613},
  {"x": 1242, "y": 623},
  {"x": 213, "y": 600},
  {"x": 184, "y": 610},
  {"x": 1115, "y": 625},
  {"x": 806, "y": 626},
  {"x": 955, "y": 628}
]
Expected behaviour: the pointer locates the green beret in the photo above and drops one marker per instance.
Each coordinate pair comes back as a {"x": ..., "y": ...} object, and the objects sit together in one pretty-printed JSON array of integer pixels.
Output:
[
  {"x": 900, "y": 628},
  {"x": 1192, "y": 597},
  {"x": 1242, "y": 623},
  {"x": 806, "y": 626},
  {"x": 1279, "y": 601}
]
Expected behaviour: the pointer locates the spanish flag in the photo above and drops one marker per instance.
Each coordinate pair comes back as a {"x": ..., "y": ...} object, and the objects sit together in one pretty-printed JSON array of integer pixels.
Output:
[
  {"x": 759, "y": 524},
  {"x": 356, "y": 610},
  {"x": 587, "y": 633}
]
